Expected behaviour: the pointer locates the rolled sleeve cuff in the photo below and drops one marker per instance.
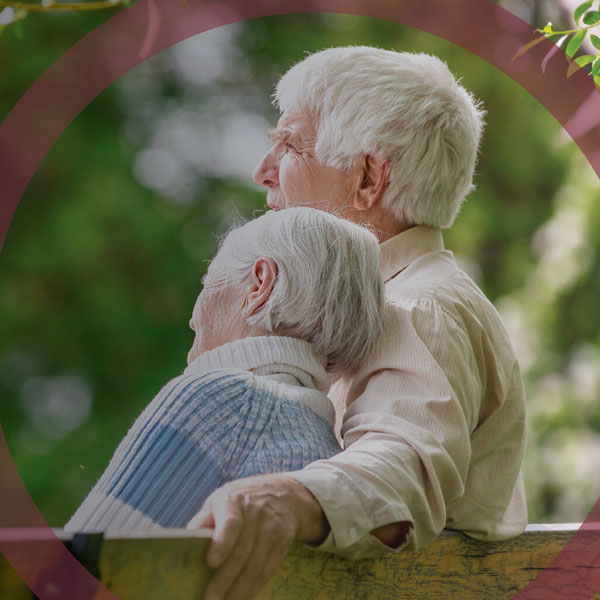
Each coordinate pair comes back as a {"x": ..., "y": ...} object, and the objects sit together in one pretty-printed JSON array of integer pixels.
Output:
[{"x": 350, "y": 524}]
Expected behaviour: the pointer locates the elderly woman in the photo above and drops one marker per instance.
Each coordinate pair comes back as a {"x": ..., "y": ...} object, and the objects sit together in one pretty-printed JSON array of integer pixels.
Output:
[{"x": 290, "y": 297}]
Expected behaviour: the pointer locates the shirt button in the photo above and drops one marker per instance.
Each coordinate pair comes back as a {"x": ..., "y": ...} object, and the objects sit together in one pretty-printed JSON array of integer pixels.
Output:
[{"x": 352, "y": 533}]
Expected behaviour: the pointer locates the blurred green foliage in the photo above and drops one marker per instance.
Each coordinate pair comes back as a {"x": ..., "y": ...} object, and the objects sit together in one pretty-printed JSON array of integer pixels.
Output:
[{"x": 103, "y": 260}]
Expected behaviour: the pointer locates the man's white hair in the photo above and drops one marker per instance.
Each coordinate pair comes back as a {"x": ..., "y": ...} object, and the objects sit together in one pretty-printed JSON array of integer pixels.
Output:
[
  {"x": 328, "y": 290},
  {"x": 407, "y": 108}
]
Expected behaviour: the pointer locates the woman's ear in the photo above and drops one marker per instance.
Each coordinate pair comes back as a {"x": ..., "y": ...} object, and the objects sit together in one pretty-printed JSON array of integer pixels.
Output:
[
  {"x": 262, "y": 281},
  {"x": 374, "y": 176}
]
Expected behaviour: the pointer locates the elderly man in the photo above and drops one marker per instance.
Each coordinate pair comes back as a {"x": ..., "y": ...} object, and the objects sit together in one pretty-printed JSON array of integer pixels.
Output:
[{"x": 434, "y": 421}]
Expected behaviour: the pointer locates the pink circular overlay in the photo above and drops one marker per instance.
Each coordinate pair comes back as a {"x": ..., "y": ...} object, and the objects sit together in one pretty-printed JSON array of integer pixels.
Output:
[{"x": 135, "y": 34}]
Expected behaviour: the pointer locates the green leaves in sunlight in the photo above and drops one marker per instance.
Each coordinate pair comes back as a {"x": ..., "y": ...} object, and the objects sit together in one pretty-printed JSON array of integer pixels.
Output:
[
  {"x": 581, "y": 9},
  {"x": 575, "y": 43},
  {"x": 580, "y": 61},
  {"x": 586, "y": 17},
  {"x": 592, "y": 17}
]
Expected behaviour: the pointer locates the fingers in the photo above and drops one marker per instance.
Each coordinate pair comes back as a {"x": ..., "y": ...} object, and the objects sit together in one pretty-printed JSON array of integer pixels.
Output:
[
  {"x": 204, "y": 518},
  {"x": 261, "y": 567},
  {"x": 234, "y": 559},
  {"x": 255, "y": 522},
  {"x": 269, "y": 569},
  {"x": 229, "y": 523},
  {"x": 263, "y": 543}
]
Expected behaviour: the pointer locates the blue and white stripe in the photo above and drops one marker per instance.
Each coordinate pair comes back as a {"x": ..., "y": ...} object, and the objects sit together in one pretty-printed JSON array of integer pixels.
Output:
[{"x": 199, "y": 432}]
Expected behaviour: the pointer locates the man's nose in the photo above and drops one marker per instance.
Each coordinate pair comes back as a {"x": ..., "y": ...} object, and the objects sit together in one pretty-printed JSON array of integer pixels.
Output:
[{"x": 266, "y": 171}]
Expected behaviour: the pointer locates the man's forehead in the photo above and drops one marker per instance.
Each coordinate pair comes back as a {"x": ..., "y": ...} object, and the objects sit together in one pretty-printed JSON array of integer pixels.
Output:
[{"x": 299, "y": 121}]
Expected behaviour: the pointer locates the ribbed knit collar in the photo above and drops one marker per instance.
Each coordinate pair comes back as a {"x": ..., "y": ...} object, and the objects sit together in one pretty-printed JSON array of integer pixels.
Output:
[
  {"x": 403, "y": 249},
  {"x": 266, "y": 355}
]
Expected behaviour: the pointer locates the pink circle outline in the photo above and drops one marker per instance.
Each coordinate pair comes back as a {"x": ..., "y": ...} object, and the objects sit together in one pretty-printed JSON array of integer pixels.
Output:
[{"x": 131, "y": 36}]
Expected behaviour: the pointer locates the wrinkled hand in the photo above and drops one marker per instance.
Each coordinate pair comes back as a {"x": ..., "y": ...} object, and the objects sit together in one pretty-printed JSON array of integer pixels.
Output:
[{"x": 255, "y": 521}]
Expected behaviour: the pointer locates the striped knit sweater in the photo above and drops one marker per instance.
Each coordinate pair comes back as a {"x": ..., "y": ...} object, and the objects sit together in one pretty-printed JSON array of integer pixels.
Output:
[{"x": 256, "y": 405}]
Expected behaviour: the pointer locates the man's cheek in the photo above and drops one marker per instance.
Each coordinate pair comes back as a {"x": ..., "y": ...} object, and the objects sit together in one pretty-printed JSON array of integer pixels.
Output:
[
  {"x": 297, "y": 193},
  {"x": 293, "y": 182}
]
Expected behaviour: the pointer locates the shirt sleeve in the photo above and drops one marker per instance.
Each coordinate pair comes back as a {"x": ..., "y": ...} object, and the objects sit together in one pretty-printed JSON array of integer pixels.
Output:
[{"x": 406, "y": 433}]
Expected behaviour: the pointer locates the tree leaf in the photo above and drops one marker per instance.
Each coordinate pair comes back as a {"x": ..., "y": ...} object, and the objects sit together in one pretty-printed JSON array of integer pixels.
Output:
[
  {"x": 579, "y": 62},
  {"x": 581, "y": 9},
  {"x": 592, "y": 17},
  {"x": 572, "y": 68},
  {"x": 585, "y": 59},
  {"x": 552, "y": 52},
  {"x": 596, "y": 68},
  {"x": 575, "y": 42},
  {"x": 529, "y": 45},
  {"x": 595, "y": 41}
]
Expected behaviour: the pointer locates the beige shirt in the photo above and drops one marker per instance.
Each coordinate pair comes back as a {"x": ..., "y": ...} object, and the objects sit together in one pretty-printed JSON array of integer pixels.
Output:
[{"x": 434, "y": 426}]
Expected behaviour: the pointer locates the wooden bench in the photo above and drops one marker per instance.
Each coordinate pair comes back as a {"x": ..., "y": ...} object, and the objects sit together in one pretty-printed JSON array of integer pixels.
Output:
[{"x": 169, "y": 565}]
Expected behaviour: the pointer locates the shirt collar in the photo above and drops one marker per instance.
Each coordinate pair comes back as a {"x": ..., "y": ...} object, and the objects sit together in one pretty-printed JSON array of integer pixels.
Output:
[
  {"x": 406, "y": 247},
  {"x": 266, "y": 355}
]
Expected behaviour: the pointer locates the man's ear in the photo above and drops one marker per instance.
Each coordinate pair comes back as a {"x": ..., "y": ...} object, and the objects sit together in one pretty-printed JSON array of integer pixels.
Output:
[
  {"x": 262, "y": 281},
  {"x": 374, "y": 177}
]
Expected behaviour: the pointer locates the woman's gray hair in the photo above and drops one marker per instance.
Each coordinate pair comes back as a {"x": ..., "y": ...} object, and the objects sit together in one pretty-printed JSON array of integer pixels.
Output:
[
  {"x": 407, "y": 107},
  {"x": 328, "y": 290}
]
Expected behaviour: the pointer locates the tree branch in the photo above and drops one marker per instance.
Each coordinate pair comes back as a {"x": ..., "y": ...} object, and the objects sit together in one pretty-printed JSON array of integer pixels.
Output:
[{"x": 62, "y": 6}]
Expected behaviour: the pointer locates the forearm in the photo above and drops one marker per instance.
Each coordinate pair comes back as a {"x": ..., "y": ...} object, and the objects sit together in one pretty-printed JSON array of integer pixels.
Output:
[
  {"x": 316, "y": 527},
  {"x": 380, "y": 496}
]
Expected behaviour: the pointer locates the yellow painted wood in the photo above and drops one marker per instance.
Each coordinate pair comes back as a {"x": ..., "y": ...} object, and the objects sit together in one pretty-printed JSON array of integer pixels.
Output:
[
  {"x": 170, "y": 564},
  {"x": 155, "y": 568},
  {"x": 451, "y": 567},
  {"x": 10, "y": 584}
]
